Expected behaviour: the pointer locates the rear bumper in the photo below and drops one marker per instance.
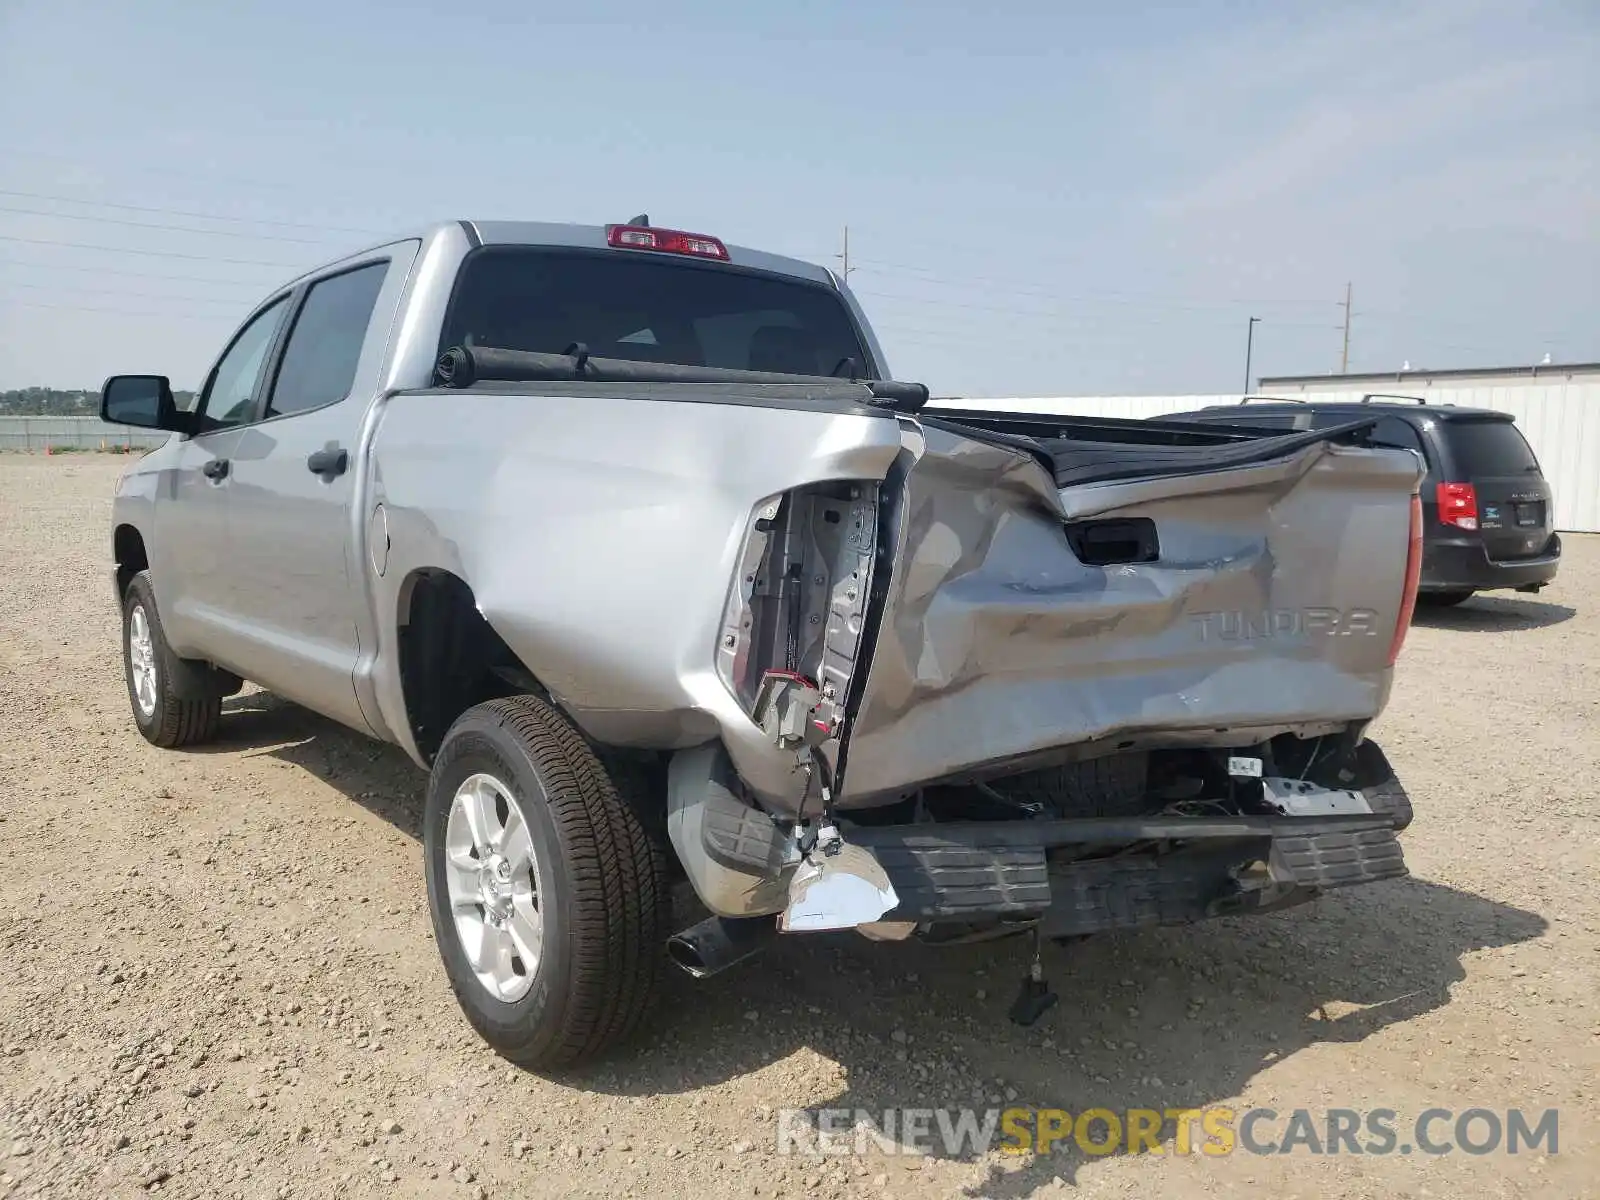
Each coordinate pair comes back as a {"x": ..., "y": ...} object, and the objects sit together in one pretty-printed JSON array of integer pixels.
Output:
[
  {"x": 1454, "y": 565},
  {"x": 1004, "y": 871}
]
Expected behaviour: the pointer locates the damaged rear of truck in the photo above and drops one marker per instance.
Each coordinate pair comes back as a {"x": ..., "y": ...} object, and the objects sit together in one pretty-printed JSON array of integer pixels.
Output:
[
  {"x": 1056, "y": 677},
  {"x": 629, "y": 538},
  {"x": 973, "y": 675}
]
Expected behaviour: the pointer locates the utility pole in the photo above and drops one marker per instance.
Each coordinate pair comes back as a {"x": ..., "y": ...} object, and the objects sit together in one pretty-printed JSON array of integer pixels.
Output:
[
  {"x": 1344, "y": 355},
  {"x": 845, "y": 257},
  {"x": 1249, "y": 344}
]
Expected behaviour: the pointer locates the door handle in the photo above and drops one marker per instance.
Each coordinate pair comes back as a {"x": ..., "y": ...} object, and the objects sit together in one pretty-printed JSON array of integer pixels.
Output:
[
  {"x": 217, "y": 468},
  {"x": 329, "y": 462}
]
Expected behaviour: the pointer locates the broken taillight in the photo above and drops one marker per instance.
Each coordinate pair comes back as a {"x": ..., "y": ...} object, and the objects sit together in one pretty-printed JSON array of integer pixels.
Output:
[
  {"x": 1408, "y": 598},
  {"x": 666, "y": 241},
  {"x": 1458, "y": 505},
  {"x": 797, "y": 604}
]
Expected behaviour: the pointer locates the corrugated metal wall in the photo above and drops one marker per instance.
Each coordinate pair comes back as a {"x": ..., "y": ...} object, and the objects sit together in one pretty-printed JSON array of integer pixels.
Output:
[
  {"x": 1561, "y": 421},
  {"x": 37, "y": 434}
]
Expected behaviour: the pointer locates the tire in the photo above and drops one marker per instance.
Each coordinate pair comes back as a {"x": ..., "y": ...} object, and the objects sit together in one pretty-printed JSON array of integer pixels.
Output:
[
  {"x": 1444, "y": 599},
  {"x": 158, "y": 679},
  {"x": 598, "y": 879}
]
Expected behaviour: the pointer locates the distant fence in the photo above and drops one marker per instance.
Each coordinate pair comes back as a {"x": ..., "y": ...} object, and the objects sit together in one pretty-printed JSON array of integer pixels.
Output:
[{"x": 36, "y": 435}]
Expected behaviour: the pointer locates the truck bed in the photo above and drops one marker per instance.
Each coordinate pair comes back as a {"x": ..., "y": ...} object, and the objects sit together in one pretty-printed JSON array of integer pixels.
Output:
[
  {"x": 1079, "y": 451},
  {"x": 1044, "y": 588}
]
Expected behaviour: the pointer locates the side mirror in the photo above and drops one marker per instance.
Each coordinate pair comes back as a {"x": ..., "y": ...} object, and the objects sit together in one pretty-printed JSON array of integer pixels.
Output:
[{"x": 141, "y": 400}]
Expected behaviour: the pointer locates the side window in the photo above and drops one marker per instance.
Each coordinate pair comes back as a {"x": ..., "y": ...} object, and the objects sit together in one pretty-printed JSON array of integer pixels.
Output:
[
  {"x": 319, "y": 361},
  {"x": 231, "y": 397},
  {"x": 1392, "y": 431}
]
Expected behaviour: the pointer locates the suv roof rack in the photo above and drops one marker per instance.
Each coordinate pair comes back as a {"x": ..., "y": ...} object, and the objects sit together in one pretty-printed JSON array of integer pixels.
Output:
[
  {"x": 1273, "y": 399},
  {"x": 1371, "y": 396}
]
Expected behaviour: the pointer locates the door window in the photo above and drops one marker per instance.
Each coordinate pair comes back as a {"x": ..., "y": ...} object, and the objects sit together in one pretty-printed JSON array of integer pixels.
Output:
[
  {"x": 1392, "y": 431},
  {"x": 319, "y": 361},
  {"x": 1400, "y": 435},
  {"x": 231, "y": 397}
]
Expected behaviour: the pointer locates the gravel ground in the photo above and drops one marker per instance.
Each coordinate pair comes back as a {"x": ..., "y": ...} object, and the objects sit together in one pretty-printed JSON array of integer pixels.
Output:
[{"x": 219, "y": 981}]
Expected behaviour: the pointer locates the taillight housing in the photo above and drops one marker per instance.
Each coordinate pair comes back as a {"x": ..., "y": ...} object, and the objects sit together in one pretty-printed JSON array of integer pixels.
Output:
[
  {"x": 1408, "y": 598},
  {"x": 666, "y": 241},
  {"x": 797, "y": 605},
  {"x": 1458, "y": 505}
]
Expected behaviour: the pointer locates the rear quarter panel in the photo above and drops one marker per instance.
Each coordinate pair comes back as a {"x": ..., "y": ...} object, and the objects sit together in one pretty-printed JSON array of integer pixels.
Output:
[{"x": 599, "y": 535}]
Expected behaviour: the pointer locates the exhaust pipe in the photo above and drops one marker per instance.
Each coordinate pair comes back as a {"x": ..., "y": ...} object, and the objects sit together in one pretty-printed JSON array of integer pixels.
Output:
[{"x": 717, "y": 943}]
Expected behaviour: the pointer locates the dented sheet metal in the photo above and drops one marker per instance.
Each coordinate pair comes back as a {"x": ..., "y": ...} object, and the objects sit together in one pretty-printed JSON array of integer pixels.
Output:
[{"x": 1270, "y": 607}]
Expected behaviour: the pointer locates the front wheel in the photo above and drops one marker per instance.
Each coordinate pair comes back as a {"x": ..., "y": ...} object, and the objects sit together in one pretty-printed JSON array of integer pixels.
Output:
[
  {"x": 549, "y": 897},
  {"x": 164, "y": 713},
  {"x": 1444, "y": 599}
]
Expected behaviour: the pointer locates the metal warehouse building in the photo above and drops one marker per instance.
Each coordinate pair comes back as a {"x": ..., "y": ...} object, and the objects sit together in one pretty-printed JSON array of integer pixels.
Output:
[{"x": 1557, "y": 406}]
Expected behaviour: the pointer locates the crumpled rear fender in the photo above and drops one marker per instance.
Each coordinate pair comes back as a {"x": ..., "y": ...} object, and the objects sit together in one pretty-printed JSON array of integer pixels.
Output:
[{"x": 600, "y": 536}]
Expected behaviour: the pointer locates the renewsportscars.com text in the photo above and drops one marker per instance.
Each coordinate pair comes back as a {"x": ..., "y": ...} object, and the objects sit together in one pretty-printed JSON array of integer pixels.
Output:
[{"x": 1213, "y": 1131}]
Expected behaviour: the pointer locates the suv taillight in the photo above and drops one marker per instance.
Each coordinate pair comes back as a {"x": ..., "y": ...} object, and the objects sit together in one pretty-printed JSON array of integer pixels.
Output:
[
  {"x": 1408, "y": 598},
  {"x": 1458, "y": 505}
]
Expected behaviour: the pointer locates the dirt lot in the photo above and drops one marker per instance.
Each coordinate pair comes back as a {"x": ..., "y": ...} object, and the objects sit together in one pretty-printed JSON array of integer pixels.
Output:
[{"x": 218, "y": 976}]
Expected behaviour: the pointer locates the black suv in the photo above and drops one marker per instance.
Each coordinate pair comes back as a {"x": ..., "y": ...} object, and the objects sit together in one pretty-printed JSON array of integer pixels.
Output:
[{"x": 1486, "y": 507}]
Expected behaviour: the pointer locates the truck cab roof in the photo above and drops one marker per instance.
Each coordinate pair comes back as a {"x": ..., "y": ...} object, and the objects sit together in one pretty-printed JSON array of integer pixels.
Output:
[{"x": 595, "y": 237}]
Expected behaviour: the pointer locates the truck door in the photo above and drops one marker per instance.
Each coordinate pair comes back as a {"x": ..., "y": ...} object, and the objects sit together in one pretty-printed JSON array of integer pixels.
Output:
[
  {"x": 191, "y": 570},
  {"x": 297, "y": 592}
]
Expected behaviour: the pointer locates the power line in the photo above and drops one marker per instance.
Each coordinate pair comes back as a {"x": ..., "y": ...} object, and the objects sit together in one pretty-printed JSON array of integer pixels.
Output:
[
  {"x": 1219, "y": 315},
  {"x": 239, "y": 283},
  {"x": 233, "y": 233},
  {"x": 179, "y": 212},
  {"x": 1146, "y": 299},
  {"x": 1152, "y": 301},
  {"x": 233, "y": 262},
  {"x": 1135, "y": 299},
  {"x": 164, "y": 171},
  {"x": 123, "y": 312},
  {"x": 55, "y": 287}
]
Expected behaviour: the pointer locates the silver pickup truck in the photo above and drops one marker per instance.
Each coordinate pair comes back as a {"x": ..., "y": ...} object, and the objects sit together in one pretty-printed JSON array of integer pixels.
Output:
[{"x": 628, "y": 537}]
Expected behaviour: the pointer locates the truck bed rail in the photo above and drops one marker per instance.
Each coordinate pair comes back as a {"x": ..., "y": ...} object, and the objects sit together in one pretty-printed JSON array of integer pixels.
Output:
[{"x": 462, "y": 366}]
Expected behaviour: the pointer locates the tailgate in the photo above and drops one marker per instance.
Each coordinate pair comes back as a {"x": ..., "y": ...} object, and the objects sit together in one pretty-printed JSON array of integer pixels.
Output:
[{"x": 1189, "y": 608}]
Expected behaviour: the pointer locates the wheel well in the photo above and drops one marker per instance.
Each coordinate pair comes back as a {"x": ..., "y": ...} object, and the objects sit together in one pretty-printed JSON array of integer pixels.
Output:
[
  {"x": 450, "y": 657},
  {"x": 127, "y": 546}
]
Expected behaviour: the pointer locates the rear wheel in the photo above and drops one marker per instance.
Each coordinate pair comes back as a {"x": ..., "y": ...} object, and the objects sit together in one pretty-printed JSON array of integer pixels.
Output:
[
  {"x": 157, "y": 678},
  {"x": 549, "y": 897},
  {"x": 1444, "y": 599}
]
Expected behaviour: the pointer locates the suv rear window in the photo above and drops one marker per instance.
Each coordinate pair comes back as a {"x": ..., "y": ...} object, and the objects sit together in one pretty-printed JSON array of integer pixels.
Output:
[
  {"x": 1487, "y": 448},
  {"x": 650, "y": 309}
]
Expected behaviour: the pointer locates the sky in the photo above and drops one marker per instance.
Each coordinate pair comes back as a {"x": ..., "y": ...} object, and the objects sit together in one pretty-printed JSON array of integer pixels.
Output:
[{"x": 1042, "y": 198}]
